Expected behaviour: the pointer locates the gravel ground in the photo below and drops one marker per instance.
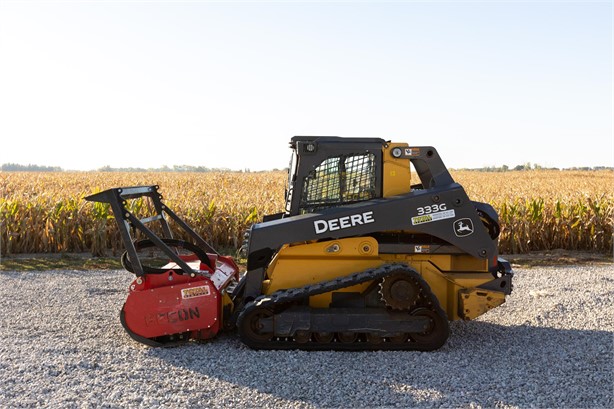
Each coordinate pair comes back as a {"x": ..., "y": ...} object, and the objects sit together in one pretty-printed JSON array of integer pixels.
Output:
[{"x": 550, "y": 345}]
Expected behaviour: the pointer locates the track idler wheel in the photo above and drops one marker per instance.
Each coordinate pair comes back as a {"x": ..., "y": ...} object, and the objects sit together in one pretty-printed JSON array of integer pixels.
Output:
[
  {"x": 347, "y": 337},
  {"x": 251, "y": 326},
  {"x": 436, "y": 334},
  {"x": 323, "y": 337},
  {"x": 302, "y": 336}
]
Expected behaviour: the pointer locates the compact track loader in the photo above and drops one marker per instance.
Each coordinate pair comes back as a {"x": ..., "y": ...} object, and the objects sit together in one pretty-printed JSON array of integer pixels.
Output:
[{"x": 360, "y": 259}]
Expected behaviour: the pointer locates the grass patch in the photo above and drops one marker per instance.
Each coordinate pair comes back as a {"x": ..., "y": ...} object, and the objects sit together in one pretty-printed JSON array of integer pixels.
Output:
[
  {"x": 64, "y": 262},
  {"x": 558, "y": 257},
  {"x": 82, "y": 262}
]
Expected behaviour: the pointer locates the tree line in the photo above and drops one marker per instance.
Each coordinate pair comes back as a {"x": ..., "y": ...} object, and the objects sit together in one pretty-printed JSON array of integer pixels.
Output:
[
  {"x": 529, "y": 166},
  {"x": 14, "y": 167}
]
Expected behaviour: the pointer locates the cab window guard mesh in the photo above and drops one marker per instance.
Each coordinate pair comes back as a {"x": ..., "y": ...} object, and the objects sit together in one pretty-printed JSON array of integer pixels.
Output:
[{"x": 339, "y": 180}]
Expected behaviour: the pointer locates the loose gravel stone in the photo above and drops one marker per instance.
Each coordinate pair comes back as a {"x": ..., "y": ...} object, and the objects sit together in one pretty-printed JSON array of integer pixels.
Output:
[{"x": 550, "y": 345}]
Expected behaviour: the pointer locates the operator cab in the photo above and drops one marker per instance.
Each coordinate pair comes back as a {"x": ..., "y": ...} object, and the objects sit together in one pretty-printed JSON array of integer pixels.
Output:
[{"x": 329, "y": 171}]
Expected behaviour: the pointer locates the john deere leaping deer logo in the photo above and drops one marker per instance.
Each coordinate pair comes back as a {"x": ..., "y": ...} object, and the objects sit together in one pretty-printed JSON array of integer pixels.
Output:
[{"x": 463, "y": 227}]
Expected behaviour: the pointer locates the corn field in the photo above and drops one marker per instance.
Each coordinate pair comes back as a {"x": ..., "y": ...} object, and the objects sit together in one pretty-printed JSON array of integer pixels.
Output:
[{"x": 45, "y": 212}]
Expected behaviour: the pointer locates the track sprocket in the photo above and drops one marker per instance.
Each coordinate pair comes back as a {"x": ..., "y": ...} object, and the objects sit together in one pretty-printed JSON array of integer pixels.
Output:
[{"x": 399, "y": 291}]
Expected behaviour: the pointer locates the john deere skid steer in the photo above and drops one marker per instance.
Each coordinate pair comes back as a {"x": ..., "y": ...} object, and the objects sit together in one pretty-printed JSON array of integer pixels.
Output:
[{"x": 360, "y": 259}]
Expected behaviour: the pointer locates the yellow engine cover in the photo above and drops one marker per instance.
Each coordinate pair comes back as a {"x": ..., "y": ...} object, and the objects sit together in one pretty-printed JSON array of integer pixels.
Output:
[{"x": 304, "y": 264}]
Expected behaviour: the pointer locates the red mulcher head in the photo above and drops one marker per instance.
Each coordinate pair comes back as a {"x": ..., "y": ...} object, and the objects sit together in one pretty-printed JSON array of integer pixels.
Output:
[{"x": 180, "y": 300}]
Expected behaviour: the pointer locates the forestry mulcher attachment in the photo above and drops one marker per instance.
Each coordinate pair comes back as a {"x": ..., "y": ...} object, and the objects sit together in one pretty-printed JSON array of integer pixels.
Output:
[{"x": 360, "y": 259}]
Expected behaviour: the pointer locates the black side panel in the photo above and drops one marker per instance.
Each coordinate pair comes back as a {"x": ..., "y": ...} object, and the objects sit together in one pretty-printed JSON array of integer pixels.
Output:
[
  {"x": 444, "y": 212},
  {"x": 274, "y": 216}
]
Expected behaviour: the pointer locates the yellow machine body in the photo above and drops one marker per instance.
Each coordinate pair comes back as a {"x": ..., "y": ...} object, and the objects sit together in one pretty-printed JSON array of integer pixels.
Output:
[
  {"x": 366, "y": 258},
  {"x": 454, "y": 279},
  {"x": 396, "y": 172}
]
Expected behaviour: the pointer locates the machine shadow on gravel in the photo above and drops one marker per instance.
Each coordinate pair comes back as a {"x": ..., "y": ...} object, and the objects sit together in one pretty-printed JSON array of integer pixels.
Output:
[{"x": 483, "y": 364}]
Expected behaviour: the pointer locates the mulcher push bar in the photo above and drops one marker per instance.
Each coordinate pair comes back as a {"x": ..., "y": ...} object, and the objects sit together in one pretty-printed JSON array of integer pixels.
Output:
[{"x": 118, "y": 197}]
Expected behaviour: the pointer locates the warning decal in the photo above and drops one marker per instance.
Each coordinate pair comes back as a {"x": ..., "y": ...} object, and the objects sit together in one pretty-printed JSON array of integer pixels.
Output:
[
  {"x": 412, "y": 151},
  {"x": 422, "y": 249},
  {"x": 195, "y": 292},
  {"x": 433, "y": 217}
]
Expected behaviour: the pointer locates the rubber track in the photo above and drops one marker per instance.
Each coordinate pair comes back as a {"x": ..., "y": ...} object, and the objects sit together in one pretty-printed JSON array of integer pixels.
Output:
[{"x": 280, "y": 298}]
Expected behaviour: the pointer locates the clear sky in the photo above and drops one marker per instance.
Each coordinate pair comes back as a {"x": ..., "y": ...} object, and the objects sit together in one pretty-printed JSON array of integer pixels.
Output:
[{"x": 84, "y": 84}]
